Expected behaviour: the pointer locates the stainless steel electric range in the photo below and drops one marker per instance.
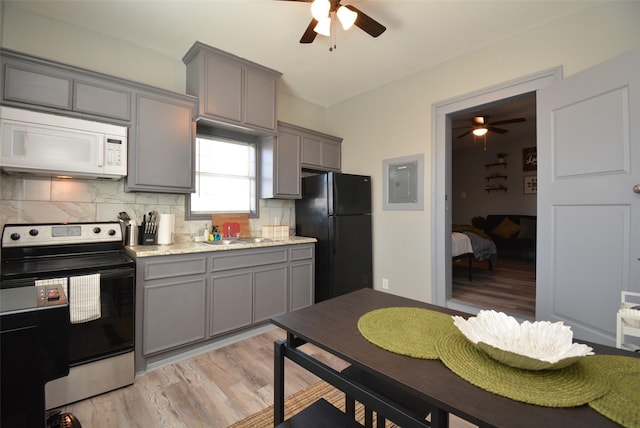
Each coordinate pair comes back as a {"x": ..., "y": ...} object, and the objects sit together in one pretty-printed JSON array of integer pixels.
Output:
[{"x": 87, "y": 260}]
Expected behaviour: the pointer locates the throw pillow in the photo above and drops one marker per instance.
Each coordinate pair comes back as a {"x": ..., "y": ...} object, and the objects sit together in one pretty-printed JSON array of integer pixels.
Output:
[
  {"x": 528, "y": 229},
  {"x": 506, "y": 229}
]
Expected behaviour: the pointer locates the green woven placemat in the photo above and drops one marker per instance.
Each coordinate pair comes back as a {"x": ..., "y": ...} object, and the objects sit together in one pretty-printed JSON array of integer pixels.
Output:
[
  {"x": 571, "y": 386},
  {"x": 622, "y": 403},
  {"x": 406, "y": 331}
]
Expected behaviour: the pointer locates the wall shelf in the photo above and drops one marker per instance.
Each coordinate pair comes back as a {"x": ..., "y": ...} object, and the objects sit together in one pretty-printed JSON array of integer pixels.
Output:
[
  {"x": 489, "y": 165},
  {"x": 489, "y": 189},
  {"x": 490, "y": 177}
]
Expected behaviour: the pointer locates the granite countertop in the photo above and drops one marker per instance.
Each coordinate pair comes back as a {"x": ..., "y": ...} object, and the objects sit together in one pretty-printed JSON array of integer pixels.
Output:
[{"x": 202, "y": 247}]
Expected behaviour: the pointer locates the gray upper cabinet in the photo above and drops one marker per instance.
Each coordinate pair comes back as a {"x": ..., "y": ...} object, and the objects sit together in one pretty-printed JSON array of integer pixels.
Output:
[
  {"x": 283, "y": 157},
  {"x": 232, "y": 91},
  {"x": 101, "y": 99},
  {"x": 280, "y": 164},
  {"x": 320, "y": 151},
  {"x": 162, "y": 145},
  {"x": 34, "y": 83}
]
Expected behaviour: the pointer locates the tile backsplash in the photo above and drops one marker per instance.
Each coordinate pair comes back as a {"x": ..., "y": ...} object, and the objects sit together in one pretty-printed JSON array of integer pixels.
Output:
[{"x": 45, "y": 200}]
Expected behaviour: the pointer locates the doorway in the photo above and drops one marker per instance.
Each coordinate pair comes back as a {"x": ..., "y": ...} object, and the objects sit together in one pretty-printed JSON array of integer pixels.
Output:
[
  {"x": 493, "y": 205},
  {"x": 444, "y": 114}
]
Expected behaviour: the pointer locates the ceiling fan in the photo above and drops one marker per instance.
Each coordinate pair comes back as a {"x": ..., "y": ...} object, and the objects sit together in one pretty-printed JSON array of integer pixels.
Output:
[
  {"x": 480, "y": 125},
  {"x": 324, "y": 11}
]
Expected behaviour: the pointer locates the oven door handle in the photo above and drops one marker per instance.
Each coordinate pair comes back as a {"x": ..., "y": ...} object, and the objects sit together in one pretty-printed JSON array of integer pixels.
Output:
[
  {"x": 22, "y": 282},
  {"x": 120, "y": 272}
]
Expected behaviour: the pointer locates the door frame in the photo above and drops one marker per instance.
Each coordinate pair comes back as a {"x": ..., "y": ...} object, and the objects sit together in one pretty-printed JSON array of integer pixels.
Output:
[{"x": 441, "y": 114}]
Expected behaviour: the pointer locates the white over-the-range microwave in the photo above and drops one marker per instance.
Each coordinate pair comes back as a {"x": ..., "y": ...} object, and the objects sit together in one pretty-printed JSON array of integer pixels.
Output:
[{"x": 47, "y": 144}]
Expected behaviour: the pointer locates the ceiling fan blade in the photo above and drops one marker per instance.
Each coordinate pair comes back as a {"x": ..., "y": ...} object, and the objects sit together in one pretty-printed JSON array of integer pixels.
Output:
[
  {"x": 497, "y": 130},
  {"x": 466, "y": 133},
  {"x": 309, "y": 35},
  {"x": 504, "y": 122},
  {"x": 366, "y": 23}
]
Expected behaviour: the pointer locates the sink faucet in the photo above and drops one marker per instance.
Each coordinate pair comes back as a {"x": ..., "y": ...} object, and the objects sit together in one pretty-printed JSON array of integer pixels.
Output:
[{"x": 229, "y": 232}]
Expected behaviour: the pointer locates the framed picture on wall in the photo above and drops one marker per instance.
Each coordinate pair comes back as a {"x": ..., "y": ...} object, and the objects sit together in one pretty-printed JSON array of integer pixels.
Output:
[
  {"x": 529, "y": 159},
  {"x": 530, "y": 184}
]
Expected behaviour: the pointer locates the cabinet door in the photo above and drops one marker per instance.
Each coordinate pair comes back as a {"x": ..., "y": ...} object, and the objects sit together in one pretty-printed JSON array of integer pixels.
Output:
[
  {"x": 259, "y": 99},
  {"x": 230, "y": 301},
  {"x": 300, "y": 285},
  {"x": 161, "y": 155},
  {"x": 174, "y": 314},
  {"x": 311, "y": 151},
  {"x": 287, "y": 165},
  {"x": 331, "y": 155},
  {"x": 223, "y": 88},
  {"x": 101, "y": 99},
  {"x": 269, "y": 292},
  {"x": 36, "y": 84}
]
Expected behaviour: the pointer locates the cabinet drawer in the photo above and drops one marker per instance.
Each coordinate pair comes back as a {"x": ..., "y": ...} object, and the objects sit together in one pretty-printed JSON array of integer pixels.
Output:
[
  {"x": 300, "y": 252},
  {"x": 241, "y": 259},
  {"x": 171, "y": 267}
]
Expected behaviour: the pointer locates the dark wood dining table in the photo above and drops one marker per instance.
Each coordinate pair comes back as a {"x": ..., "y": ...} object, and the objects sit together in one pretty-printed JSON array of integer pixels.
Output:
[{"x": 332, "y": 326}]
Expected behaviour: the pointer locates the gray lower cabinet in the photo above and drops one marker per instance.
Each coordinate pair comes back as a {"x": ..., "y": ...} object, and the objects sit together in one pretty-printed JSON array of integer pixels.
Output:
[
  {"x": 301, "y": 276},
  {"x": 269, "y": 292},
  {"x": 162, "y": 150},
  {"x": 185, "y": 301},
  {"x": 231, "y": 301},
  {"x": 174, "y": 314},
  {"x": 171, "y": 296}
]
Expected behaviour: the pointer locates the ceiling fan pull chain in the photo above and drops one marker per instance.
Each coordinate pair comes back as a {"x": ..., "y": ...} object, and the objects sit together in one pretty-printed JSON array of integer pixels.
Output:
[{"x": 332, "y": 35}]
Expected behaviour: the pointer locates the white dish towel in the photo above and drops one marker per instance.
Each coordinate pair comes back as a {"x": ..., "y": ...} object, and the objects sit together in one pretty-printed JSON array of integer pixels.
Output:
[{"x": 84, "y": 298}]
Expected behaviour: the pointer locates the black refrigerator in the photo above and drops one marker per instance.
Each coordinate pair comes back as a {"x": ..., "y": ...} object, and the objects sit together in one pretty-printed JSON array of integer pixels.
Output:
[{"x": 336, "y": 210}]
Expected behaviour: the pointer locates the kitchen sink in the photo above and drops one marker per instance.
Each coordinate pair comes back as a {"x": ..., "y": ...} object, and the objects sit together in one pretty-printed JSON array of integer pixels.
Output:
[
  {"x": 226, "y": 242},
  {"x": 255, "y": 240}
]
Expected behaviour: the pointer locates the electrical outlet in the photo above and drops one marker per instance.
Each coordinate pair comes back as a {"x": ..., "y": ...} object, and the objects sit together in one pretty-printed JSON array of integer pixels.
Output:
[{"x": 385, "y": 284}]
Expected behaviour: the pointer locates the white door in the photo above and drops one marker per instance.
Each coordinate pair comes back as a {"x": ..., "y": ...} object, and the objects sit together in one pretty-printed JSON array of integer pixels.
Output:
[{"x": 588, "y": 213}]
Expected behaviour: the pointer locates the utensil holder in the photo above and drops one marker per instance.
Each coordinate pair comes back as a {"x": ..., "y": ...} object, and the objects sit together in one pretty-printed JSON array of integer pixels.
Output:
[{"x": 146, "y": 238}]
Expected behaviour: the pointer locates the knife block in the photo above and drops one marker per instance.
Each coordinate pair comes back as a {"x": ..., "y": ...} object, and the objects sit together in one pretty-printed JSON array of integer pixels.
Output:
[{"x": 146, "y": 238}]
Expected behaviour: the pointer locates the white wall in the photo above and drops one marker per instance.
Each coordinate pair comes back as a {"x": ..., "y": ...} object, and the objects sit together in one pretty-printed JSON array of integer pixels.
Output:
[
  {"x": 36, "y": 200},
  {"x": 395, "y": 120},
  {"x": 51, "y": 39},
  {"x": 391, "y": 121}
]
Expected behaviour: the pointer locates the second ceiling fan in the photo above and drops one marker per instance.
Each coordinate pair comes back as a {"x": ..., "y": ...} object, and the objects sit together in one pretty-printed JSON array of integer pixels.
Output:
[
  {"x": 324, "y": 11},
  {"x": 480, "y": 125}
]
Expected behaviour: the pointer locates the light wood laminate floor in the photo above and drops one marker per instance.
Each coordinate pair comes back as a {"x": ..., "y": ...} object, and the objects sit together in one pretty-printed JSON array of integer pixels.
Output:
[{"x": 213, "y": 389}]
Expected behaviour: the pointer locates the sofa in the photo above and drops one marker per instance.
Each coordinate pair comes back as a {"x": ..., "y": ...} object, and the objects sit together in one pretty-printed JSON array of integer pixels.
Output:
[{"x": 513, "y": 234}]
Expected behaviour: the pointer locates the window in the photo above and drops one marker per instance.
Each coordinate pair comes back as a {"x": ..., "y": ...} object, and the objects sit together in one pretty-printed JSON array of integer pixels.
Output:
[{"x": 226, "y": 171}]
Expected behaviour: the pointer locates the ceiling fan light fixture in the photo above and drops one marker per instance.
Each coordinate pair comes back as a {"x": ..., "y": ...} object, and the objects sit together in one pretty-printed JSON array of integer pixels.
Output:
[
  {"x": 479, "y": 132},
  {"x": 347, "y": 17},
  {"x": 323, "y": 27},
  {"x": 320, "y": 9}
]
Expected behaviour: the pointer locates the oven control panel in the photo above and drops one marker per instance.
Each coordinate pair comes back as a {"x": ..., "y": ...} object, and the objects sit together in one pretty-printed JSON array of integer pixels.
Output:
[
  {"x": 50, "y": 295},
  {"x": 22, "y": 299},
  {"x": 23, "y": 235}
]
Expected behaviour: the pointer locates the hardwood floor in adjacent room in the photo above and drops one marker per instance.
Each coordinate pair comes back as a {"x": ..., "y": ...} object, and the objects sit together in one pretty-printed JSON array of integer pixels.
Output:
[
  {"x": 214, "y": 389},
  {"x": 510, "y": 287}
]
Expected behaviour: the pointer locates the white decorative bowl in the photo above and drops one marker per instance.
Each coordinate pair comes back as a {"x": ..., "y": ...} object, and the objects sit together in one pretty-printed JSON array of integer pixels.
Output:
[{"x": 541, "y": 345}]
